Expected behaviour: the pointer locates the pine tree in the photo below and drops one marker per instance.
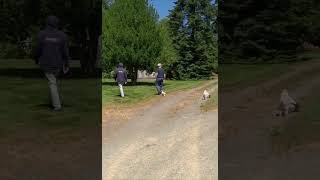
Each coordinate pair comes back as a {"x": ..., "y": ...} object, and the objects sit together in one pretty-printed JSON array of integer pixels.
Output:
[
  {"x": 168, "y": 55},
  {"x": 192, "y": 25},
  {"x": 262, "y": 31}
]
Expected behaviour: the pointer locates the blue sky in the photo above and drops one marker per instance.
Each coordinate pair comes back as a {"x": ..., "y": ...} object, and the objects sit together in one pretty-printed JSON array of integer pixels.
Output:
[{"x": 163, "y": 6}]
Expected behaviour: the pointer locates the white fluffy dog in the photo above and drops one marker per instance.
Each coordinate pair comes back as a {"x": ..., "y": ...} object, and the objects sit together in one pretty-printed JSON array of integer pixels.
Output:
[
  {"x": 163, "y": 93},
  {"x": 205, "y": 95},
  {"x": 287, "y": 104}
]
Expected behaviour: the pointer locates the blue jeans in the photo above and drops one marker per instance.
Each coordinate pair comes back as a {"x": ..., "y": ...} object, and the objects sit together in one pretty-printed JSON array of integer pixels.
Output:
[{"x": 159, "y": 84}]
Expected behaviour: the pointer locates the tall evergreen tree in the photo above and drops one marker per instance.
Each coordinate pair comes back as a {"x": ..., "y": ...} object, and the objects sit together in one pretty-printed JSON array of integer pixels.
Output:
[
  {"x": 193, "y": 30},
  {"x": 168, "y": 55},
  {"x": 131, "y": 36},
  {"x": 259, "y": 31}
]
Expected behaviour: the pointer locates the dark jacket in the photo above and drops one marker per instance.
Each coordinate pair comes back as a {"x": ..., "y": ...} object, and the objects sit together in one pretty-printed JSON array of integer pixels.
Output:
[
  {"x": 52, "y": 50},
  {"x": 160, "y": 74},
  {"x": 121, "y": 75}
]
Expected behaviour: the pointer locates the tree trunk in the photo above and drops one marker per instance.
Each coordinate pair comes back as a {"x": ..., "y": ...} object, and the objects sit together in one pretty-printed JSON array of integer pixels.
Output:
[
  {"x": 89, "y": 57},
  {"x": 134, "y": 76}
]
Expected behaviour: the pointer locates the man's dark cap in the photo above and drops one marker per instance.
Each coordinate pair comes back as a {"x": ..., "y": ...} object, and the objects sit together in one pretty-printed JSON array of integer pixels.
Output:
[{"x": 53, "y": 21}]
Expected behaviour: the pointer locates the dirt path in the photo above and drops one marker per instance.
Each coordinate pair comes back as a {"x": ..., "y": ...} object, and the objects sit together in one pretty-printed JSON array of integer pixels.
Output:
[
  {"x": 245, "y": 121},
  {"x": 171, "y": 139}
]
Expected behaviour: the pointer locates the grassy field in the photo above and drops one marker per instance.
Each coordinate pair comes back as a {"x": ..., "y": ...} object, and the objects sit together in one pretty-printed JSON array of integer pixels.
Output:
[
  {"x": 145, "y": 90},
  {"x": 237, "y": 76},
  {"x": 25, "y": 100},
  {"x": 234, "y": 76}
]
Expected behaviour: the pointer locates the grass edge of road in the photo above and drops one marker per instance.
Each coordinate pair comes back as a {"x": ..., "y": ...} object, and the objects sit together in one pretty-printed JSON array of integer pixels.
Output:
[
  {"x": 212, "y": 103},
  {"x": 145, "y": 93},
  {"x": 300, "y": 130},
  {"x": 241, "y": 76}
]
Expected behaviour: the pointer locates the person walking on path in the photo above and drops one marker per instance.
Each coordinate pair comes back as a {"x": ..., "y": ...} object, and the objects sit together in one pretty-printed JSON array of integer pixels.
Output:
[
  {"x": 160, "y": 79},
  {"x": 52, "y": 54},
  {"x": 121, "y": 77}
]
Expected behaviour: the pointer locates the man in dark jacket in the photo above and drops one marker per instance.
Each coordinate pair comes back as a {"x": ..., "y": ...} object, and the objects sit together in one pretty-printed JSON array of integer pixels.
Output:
[
  {"x": 121, "y": 77},
  {"x": 52, "y": 54},
  {"x": 159, "y": 79}
]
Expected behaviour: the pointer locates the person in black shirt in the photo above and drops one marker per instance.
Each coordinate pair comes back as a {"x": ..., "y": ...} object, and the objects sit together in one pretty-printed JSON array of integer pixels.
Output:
[
  {"x": 52, "y": 54},
  {"x": 121, "y": 77},
  {"x": 160, "y": 79}
]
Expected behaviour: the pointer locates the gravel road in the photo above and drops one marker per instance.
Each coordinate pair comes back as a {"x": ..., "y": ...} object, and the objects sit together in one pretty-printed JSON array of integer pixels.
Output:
[{"x": 169, "y": 139}]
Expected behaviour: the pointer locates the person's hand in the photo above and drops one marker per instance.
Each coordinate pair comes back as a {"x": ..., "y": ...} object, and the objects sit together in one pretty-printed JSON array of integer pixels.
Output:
[
  {"x": 65, "y": 69},
  {"x": 36, "y": 61}
]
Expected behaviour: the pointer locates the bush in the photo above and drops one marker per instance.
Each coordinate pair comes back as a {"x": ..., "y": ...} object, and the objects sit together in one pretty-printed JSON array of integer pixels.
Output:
[
  {"x": 10, "y": 50},
  {"x": 108, "y": 75}
]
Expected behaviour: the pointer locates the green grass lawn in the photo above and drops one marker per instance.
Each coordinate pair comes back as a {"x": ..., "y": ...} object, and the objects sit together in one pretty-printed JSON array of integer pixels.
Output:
[
  {"x": 234, "y": 76},
  {"x": 237, "y": 76},
  {"x": 144, "y": 90},
  {"x": 25, "y": 100}
]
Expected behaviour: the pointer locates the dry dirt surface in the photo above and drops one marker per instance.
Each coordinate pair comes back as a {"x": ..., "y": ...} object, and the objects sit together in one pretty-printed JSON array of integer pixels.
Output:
[
  {"x": 41, "y": 158},
  {"x": 245, "y": 120},
  {"x": 169, "y": 138}
]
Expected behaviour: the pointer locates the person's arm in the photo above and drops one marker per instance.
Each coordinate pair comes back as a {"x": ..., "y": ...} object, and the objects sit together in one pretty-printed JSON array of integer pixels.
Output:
[
  {"x": 164, "y": 75},
  {"x": 125, "y": 76},
  {"x": 157, "y": 72},
  {"x": 115, "y": 75},
  {"x": 65, "y": 50},
  {"x": 65, "y": 54}
]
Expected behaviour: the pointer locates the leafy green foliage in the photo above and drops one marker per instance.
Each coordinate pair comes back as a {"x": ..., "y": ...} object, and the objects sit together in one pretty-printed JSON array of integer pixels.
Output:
[
  {"x": 131, "y": 36},
  {"x": 259, "y": 31}
]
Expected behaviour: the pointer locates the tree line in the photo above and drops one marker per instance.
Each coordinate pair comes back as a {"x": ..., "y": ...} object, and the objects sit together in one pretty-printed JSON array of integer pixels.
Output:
[
  {"x": 21, "y": 20},
  {"x": 266, "y": 31},
  {"x": 185, "y": 42}
]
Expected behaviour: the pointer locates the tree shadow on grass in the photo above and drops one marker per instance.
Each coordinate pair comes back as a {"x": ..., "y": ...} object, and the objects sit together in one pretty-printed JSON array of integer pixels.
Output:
[
  {"x": 130, "y": 84},
  {"x": 43, "y": 106},
  {"x": 34, "y": 73}
]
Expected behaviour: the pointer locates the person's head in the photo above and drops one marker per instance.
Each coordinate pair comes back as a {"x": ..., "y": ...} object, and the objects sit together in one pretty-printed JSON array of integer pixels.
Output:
[
  {"x": 159, "y": 65},
  {"x": 285, "y": 92},
  {"x": 120, "y": 65},
  {"x": 53, "y": 22}
]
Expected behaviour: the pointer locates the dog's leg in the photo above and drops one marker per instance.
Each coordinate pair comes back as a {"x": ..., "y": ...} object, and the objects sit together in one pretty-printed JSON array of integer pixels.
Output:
[{"x": 287, "y": 110}]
